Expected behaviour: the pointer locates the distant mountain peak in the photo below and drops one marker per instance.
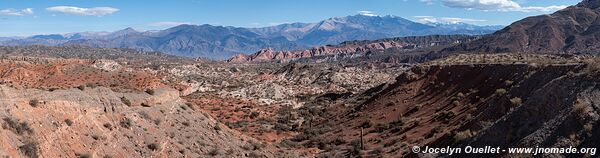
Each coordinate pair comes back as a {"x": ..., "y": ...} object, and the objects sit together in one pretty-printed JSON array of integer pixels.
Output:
[{"x": 129, "y": 29}]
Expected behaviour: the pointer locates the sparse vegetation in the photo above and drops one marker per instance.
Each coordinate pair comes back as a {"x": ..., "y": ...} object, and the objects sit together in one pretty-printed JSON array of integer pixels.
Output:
[
  {"x": 81, "y": 87},
  {"x": 153, "y": 146},
  {"x": 366, "y": 124},
  {"x": 107, "y": 126},
  {"x": 92, "y": 85},
  {"x": 34, "y": 103},
  {"x": 508, "y": 82},
  {"x": 16, "y": 126},
  {"x": 125, "y": 101},
  {"x": 29, "y": 148},
  {"x": 213, "y": 152},
  {"x": 516, "y": 101},
  {"x": 501, "y": 91},
  {"x": 150, "y": 91},
  {"x": 592, "y": 66},
  {"x": 460, "y": 136},
  {"x": 68, "y": 122},
  {"x": 126, "y": 123}
]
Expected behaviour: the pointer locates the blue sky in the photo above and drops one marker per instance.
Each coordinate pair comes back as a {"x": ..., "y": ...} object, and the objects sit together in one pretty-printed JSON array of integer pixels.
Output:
[{"x": 30, "y": 17}]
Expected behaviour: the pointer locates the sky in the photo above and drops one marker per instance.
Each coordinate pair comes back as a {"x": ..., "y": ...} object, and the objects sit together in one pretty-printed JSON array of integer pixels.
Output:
[{"x": 33, "y": 17}]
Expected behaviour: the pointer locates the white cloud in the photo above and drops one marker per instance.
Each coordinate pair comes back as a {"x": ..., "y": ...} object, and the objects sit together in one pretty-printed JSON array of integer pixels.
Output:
[
  {"x": 96, "y": 11},
  {"x": 487, "y": 5},
  {"x": 367, "y": 13},
  {"x": 428, "y": 2},
  {"x": 449, "y": 20},
  {"x": 14, "y": 12},
  {"x": 168, "y": 24},
  {"x": 495, "y": 5}
]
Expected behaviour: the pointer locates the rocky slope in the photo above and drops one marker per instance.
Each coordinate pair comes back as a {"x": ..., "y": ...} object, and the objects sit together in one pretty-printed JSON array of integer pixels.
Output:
[
  {"x": 98, "y": 122},
  {"x": 573, "y": 30},
  {"x": 528, "y": 100}
]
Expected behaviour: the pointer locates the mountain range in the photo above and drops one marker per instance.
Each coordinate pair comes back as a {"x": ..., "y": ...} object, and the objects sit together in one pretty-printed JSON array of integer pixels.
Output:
[{"x": 220, "y": 42}]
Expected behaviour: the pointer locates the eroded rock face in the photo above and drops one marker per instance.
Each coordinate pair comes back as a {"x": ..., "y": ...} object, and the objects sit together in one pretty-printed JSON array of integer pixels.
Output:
[
  {"x": 270, "y": 54},
  {"x": 355, "y": 48},
  {"x": 99, "y": 122}
]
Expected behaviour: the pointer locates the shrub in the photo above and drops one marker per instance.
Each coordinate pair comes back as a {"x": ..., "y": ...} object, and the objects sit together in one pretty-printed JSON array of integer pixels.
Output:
[
  {"x": 355, "y": 148},
  {"x": 126, "y": 123},
  {"x": 34, "y": 102},
  {"x": 580, "y": 111},
  {"x": 107, "y": 126},
  {"x": 125, "y": 101},
  {"x": 433, "y": 131},
  {"x": 68, "y": 122},
  {"x": 81, "y": 87},
  {"x": 592, "y": 66},
  {"x": 16, "y": 126},
  {"x": 508, "y": 82},
  {"x": 501, "y": 91},
  {"x": 366, "y": 124},
  {"x": 380, "y": 127},
  {"x": 217, "y": 127},
  {"x": 516, "y": 101},
  {"x": 29, "y": 148},
  {"x": 460, "y": 136},
  {"x": 153, "y": 146},
  {"x": 213, "y": 152},
  {"x": 144, "y": 104},
  {"x": 84, "y": 155},
  {"x": 92, "y": 85},
  {"x": 255, "y": 155},
  {"x": 150, "y": 91},
  {"x": 456, "y": 103}
]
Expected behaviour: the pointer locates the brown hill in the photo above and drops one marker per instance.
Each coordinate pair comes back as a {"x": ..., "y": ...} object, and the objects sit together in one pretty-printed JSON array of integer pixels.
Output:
[{"x": 573, "y": 30}]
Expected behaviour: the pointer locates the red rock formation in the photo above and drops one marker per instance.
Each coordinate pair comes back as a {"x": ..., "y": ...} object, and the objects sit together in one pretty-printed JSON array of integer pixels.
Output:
[{"x": 269, "y": 54}]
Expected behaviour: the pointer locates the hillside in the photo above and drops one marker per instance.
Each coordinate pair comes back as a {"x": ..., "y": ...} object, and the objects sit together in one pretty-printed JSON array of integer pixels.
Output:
[
  {"x": 503, "y": 100},
  {"x": 573, "y": 30}
]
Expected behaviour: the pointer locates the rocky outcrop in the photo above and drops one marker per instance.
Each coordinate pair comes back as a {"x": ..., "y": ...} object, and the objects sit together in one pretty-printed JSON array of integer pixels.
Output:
[
  {"x": 269, "y": 54},
  {"x": 351, "y": 47}
]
